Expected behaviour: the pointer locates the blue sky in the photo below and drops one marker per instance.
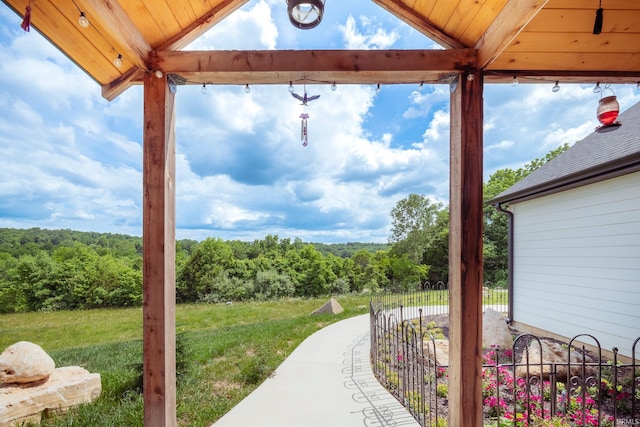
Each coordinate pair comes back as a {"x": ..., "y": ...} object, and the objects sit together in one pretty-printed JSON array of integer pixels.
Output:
[{"x": 70, "y": 159}]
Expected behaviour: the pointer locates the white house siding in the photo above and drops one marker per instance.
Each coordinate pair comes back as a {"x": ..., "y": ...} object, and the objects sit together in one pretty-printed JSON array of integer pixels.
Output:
[{"x": 577, "y": 262}]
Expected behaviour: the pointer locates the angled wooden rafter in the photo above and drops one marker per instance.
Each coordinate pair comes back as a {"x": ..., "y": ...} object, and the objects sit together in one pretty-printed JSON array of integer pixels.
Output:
[
  {"x": 409, "y": 16},
  {"x": 108, "y": 14},
  {"x": 504, "y": 29},
  {"x": 204, "y": 23},
  {"x": 132, "y": 76},
  {"x": 122, "y": 30}
]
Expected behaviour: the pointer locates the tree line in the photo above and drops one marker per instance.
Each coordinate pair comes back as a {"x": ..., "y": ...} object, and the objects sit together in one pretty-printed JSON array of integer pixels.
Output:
[{"x": 65, "y": 269}]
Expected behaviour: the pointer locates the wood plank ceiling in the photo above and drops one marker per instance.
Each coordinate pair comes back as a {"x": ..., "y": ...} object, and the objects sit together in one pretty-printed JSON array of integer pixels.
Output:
[{"x": 536, "y": 40}]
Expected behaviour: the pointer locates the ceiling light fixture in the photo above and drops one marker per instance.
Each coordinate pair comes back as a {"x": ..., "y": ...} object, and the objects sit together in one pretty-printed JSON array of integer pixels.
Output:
[
  {"x": 596, "y": 88},
  {"x": 247, "y": 89},
  {"x": 514, "y": 82},
  {"x": 556, "y": 87},
  {"x": 83, "y": 21},
  {"x": 305, "y": 14},
  {"x": 334, "y": 86},
  {"x": 291, "y": 87},
  {"x": 118, "y": 61},
  {"x": 204, "y": 89},
  {"x": 378, "y": 89}
]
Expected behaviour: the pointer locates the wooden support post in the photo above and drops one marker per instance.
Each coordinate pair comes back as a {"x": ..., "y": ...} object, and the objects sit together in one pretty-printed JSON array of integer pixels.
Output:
[
  {"x": 465, "y": 252},
  {"x": 158, "y": 236}
]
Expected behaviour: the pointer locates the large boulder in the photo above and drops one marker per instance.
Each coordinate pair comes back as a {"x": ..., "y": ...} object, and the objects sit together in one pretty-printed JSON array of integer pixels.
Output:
[
  {"x": 25, "y": 362},
  {"x": 437, "y": 351},
  {"x": 495, "y": 331},
  {"x": 547, "y": 353},
  {"x": 65, "y": 387}
]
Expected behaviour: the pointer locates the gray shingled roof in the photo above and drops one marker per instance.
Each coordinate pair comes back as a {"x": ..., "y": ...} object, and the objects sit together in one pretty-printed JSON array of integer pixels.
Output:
[{"x": 596, "y": 157}]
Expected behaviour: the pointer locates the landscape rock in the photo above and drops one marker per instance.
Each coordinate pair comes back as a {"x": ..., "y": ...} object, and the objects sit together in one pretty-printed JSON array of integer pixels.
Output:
[
  {"x": 437, "y": 350},
  {"x": 495, "y": 331},
  {"x": 25, "y": 362},
  {"x": 332, "y": 306},
  {"x": 552, "y": 352},
  {"x": 65, "y": 387}
]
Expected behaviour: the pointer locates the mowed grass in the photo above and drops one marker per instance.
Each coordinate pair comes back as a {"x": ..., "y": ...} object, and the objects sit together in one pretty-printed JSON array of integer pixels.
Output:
[{"x": 226, "y": 352}]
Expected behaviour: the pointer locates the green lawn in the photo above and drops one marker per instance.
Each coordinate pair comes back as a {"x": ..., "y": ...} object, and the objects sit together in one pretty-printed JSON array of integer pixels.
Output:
[{"x": 226, "y": 352}]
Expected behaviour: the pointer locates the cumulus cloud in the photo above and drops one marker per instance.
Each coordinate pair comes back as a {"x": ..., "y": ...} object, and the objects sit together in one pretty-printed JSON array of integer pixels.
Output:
[
  {"x": 502, "y": 145},
  {"x": 247, "y": 28},
  {"x": 70, "y": 159},
  {"x": 370, "y": 35}
]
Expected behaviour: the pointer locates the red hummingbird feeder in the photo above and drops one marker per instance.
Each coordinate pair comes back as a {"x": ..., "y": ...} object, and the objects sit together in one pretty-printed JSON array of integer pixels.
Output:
[{"x": 608, "y": 110}]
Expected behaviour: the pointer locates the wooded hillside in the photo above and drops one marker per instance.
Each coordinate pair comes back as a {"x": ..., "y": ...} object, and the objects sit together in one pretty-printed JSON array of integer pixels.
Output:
[{"x": 65, "y": 269}]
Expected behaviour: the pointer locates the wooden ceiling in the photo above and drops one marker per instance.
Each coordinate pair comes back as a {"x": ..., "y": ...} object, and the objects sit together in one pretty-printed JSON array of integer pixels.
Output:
[{"x": 536, "y": 40}]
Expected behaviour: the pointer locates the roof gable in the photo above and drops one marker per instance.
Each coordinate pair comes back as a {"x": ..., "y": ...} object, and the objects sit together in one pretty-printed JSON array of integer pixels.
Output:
[
  {"x": 596, "y": 157},
  {"x": 536, "y": 40}
]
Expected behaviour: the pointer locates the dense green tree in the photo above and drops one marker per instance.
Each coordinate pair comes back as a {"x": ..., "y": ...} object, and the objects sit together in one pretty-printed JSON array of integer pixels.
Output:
[
  {"x": 33, "y": 281},
  {"x": 271, "y": 285},
  {"x": 369, "y": 271},
  {"x": 413, "y": 222},
  {"x": 347, "y": 250},
  {"x": 437, "y": 254},
  {"x": 199, "y": 274},
  {"x": 315, "y": 276},
  {"x": 404, "y": 274}
]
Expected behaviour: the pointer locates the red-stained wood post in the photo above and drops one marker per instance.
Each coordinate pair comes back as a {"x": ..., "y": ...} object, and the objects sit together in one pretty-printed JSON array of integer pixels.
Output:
[
  {"x": 465, "y": 252},
  {"x": 158, "y": 237}
]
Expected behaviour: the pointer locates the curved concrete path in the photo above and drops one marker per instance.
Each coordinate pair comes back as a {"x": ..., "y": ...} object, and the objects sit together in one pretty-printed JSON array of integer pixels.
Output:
[{"x": 326, "y": 381}]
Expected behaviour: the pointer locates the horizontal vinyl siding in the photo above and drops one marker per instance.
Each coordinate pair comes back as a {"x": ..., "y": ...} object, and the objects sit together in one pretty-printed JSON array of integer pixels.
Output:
[{"x": 577, "y": 262}]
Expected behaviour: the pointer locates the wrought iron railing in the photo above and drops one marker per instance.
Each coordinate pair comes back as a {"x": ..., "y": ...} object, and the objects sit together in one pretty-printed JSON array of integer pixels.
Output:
[{"x": 519, "y": 388}]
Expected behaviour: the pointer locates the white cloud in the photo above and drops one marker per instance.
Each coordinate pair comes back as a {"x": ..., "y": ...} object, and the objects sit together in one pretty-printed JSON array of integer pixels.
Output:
[
  {"x": 371, "y": 36},
  {"x": 70, "y": 159},
  {"x": 438, "y": 128},
  {"x": 247, "y": 28},
  {"x": 502, "y": 145}
]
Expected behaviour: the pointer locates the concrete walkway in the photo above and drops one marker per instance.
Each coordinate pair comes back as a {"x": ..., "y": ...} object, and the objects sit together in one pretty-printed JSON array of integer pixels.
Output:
[{"x": 326, "y": 381}]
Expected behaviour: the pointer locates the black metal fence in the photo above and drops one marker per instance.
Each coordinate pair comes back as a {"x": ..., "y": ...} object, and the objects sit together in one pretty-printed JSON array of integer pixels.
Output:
[{"x": 520, "y": 388}]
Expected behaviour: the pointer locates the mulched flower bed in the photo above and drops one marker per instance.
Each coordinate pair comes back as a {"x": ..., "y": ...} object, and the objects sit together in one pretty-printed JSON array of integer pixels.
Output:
[{"x": 579, "y": 401}]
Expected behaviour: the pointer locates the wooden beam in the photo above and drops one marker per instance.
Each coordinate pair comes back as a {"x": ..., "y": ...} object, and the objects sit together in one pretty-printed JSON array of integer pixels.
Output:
[
  {"x": 576, "y": 62},
  {"x": 114, "y": 23},
  {"x": 465, "y": 253},
  {"x": 159, "y": 270},
  {"x": 550, "y": 76},
  {"x": 204, "y": 23},
  {"x": 419, "y": 22},
  {"x": 319, "y": 66},
  {"x": 515, "y": 15},
  {"x": 112, "y": 90}
]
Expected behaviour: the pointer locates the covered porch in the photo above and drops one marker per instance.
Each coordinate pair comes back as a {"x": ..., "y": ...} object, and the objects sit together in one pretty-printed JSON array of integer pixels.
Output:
[{"x": 485, "y": 42}]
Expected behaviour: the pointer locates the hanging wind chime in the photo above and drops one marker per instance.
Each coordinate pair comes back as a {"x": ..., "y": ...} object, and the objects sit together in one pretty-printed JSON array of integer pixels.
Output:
[
  {"x": 304, "y": 99},
  {"x": 26, "y": 21},
  {"x": 304, "y": 133}
]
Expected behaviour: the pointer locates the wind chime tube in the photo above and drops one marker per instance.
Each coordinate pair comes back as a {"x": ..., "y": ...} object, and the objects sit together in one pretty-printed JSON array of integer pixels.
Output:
[{"x": 304, "y": 135}]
